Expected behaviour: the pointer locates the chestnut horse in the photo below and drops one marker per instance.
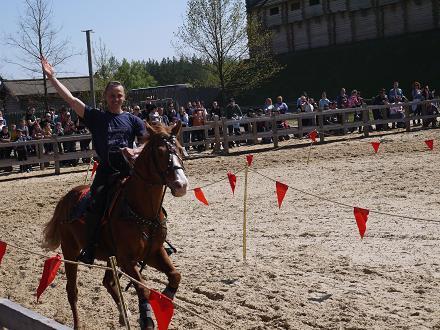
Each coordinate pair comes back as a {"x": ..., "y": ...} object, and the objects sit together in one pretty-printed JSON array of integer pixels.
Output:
[{"x": 135, "y": 228}]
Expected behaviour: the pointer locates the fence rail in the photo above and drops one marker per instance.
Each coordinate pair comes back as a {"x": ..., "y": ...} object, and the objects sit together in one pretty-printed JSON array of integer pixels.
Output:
[{"x": 220, "y": 132}]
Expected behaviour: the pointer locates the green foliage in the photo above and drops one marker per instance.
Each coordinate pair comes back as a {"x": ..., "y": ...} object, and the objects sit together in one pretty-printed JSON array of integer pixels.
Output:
[
  {"x": 219, "y": 32},
  {"x": 178, "y": 71},
  {"x": 134, "y": 75}
]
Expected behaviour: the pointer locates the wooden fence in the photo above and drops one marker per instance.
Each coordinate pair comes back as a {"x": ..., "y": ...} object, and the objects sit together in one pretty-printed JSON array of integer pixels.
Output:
[{"x": 216, "y": 133}]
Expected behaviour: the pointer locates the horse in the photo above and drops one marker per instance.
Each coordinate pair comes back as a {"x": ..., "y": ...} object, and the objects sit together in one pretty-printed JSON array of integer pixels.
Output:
[{"x": 134, "y": 230}]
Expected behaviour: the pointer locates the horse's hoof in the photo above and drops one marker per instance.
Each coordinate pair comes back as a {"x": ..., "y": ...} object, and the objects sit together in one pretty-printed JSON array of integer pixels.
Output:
[{"x": 147, "y": 323}]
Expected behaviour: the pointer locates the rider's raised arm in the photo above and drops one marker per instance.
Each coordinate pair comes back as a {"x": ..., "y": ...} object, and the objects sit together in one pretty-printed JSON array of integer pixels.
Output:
[{"x": 76, "y": 104}]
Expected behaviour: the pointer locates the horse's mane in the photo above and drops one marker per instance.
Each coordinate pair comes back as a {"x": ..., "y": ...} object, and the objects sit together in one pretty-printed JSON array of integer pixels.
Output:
[{"x": 159, "y": 131}]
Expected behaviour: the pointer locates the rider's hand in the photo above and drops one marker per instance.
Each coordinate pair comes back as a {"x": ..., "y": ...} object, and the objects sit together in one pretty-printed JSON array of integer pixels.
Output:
[{"x": 47, "y": 68}]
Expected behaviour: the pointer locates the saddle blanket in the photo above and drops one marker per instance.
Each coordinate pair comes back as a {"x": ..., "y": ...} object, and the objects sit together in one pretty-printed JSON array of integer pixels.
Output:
[{"x": 79, "y": 209}]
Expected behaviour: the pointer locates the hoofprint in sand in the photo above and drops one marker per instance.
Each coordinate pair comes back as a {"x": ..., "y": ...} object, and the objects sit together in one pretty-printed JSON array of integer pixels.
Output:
[{"x": 306, "y": 264}]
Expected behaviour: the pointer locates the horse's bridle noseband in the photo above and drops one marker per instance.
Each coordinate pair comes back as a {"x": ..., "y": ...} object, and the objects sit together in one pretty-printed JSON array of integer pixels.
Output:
[{"x": 170, "y": 144}]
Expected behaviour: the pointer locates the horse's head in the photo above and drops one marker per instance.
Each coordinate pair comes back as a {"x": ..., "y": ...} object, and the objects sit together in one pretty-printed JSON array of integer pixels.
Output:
[{"x": 161, "y": 160}]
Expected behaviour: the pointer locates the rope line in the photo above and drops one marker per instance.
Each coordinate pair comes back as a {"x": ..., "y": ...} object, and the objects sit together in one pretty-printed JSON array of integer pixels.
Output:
[
  {"x": 348, "y": 205},
  {"x": 121, "y": 273},
  {"x": 220, "y": 180}
]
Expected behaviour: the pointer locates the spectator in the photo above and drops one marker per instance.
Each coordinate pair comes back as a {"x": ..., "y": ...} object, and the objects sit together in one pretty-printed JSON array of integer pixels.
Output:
[
  {"x": 22, "y": 151},
  {"x": 13, "y": 133},
  {"x": 2, "y": 122},
  {"x": 300, "y": 101},
  {"x": 184, "y": 118},
  {"x": 268, "y": 107},
  {"x": 23, "y": 128},
  {"x": 69, "y": 146},
  {"x": 171, "y": 111},
  {"x": 30, "y": 119},
  {"x": 324, "y": 101},
  {"x": 417, "y": 97},
  {"x": 215, "y": 110},
  {"x": 137, "y": 111},
  {"x": 395, "y": 94},
  {"x": 429, "y": 108},
  {"x": 280, "y": 106},
  {"x": 47, "y": 119},
  {"x": 342, "y": 99},
  {"x": 3, "y": 118},
  {"x": 163, "y": 118},
  {"x": 233, "y": 111},
  {"x": 380, "y": 114},
  {"x": 37, "y": 131},
  {"x": 199, "y": 119},
  {"x": 47, "y": 134},
  {"x": 5, "y": 153}
]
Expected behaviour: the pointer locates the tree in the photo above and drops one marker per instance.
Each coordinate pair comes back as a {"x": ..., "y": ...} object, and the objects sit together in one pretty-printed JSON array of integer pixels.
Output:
[
  {"x": 219, "y": 31},
  {"x": 36, "y": 38},
  {"x": 105, "y": 63},
  {"x": 134, "y": 75}
]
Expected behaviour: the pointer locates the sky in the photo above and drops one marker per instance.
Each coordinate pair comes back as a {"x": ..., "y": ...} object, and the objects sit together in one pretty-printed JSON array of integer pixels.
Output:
[{"x": 132, "y": 29}]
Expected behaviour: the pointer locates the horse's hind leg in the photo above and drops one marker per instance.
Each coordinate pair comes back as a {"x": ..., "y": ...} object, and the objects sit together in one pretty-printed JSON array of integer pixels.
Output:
[
  {"x": 110, "y": 285},
  {"x": 72, "y": 289},
  {"x": 162, "y": 262}
]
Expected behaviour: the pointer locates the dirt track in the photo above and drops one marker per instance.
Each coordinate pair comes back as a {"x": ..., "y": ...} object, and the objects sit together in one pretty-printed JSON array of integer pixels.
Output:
[{"x": 307, "y": 267}]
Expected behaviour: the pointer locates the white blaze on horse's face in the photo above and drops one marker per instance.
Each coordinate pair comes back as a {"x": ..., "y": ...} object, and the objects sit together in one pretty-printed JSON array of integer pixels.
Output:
[{"x": 179, "y": 183}]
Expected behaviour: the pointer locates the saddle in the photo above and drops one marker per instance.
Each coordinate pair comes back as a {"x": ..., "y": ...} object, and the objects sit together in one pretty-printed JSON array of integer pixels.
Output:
[{"x": 78, "y": 212}]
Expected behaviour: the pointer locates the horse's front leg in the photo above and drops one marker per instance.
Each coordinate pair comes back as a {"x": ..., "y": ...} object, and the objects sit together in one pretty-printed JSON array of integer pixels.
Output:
[
  {"x": 145, "y": 311},
  {"x": 163, "y": 263},
  {"x": 110, "y": 285}
]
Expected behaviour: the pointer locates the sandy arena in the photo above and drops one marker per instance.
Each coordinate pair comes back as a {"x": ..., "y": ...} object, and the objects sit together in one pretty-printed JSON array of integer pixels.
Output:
[{"x": 306, "y": 267}]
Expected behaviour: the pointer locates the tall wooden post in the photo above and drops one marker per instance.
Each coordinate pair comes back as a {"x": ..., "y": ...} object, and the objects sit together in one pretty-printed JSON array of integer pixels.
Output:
[
  {"x": 122, "y": 307},
  {"x": 245, "y": 210}
]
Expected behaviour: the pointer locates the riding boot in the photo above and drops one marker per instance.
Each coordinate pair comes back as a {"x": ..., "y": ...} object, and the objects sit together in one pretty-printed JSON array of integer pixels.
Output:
[{"x": 87, "y": 255}]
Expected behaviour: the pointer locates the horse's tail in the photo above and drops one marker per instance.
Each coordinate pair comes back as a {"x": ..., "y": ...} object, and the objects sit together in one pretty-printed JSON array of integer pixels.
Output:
[{"x": 51, "y": 231}]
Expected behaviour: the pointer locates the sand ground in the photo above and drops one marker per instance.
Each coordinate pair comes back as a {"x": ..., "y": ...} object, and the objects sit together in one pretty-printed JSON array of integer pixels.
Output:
[{"x": 306, "y": 266}]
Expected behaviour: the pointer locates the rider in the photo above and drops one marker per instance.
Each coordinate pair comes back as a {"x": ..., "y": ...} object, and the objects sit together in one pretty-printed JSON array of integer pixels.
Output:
[{"x": 111, "y": 131}]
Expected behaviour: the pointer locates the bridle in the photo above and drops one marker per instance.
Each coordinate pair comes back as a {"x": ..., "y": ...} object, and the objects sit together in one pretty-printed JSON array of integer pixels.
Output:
[{"x": 175, "y": 161}]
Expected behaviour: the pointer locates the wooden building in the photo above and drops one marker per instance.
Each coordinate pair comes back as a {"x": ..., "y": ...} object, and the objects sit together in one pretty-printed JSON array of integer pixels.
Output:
[
  {"x": 307, "y": 24},
  {"x": 17, "y": 95}
]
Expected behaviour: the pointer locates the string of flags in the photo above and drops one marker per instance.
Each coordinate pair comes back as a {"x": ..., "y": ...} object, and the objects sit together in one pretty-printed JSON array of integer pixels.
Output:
[
  {"x": 360, "y": 214},
  {"x": 163, "y": 307},
  {"x": 376, "y": 145}
]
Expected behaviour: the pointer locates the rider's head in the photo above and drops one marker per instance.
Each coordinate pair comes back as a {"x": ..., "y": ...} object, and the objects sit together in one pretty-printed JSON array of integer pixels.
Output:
[{"x": 114, "y": 95}]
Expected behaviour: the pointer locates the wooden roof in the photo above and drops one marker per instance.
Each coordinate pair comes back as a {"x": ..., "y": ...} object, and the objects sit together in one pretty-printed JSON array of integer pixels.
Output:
[{"x": 35, "y": 86}]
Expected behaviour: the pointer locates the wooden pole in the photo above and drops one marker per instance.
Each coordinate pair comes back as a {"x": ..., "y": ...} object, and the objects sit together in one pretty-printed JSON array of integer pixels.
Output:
[
  {"x": 88, "y": 169},
  {"x": 122, "y": 307},
  {"x": 244, "y": 210}
]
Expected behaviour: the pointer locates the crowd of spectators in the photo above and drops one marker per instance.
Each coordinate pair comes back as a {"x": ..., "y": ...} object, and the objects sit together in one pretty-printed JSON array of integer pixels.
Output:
[
  {"x": 194, "y": 114},
  {"x": 30, "y": 127}
]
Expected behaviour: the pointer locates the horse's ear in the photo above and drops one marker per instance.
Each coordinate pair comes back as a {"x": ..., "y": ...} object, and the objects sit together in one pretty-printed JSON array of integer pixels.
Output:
[
  {"x": 150, "y": 129},
  {"x": 176, "y": 128}
]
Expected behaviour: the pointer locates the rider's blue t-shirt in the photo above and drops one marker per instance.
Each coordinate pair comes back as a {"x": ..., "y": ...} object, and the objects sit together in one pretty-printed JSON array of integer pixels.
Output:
[{"x": 110, "y": 131}]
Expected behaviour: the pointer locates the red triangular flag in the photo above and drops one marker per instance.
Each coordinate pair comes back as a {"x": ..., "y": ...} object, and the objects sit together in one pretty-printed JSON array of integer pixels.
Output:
[
  {"x": 2, "y": 250},
  {"x": 200, "y": 196},
  {"x": 375, "y": 146},
  {"x": 361, "y": 216},
  {"x": 249, "y": 159},
  {"x": 313, "y": 135},
  {"x": 232, "y": 181},
  {"x": 95, "y": 166},
  {"x": 163, "y": 309},
  {"x": 430, "y": 144},
  {"x": 281, "y": 192},
  {"x": 50, "y": 270}
]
